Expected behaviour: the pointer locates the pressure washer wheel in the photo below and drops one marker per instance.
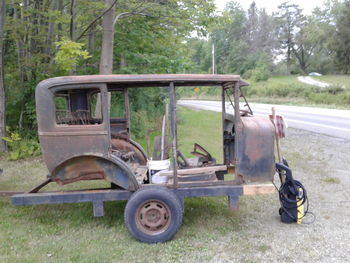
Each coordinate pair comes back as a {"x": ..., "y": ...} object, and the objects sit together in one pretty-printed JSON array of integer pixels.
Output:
[{"x": 153, "y": 214}]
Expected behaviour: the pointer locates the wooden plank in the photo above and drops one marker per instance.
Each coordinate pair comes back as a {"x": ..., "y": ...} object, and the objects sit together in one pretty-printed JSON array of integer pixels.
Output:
[
  {"x": 255, "y": 189},
  {"x": 10, "y": 193},
  {"x": 205, "y": 184},
  {"x": 209, "y": 169}
]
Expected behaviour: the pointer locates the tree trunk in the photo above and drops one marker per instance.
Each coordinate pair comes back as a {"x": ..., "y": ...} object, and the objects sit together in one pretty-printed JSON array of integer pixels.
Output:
[
  {"x": 72, "y": 27},
  {"x": 106, "y": 60},
  {"x": 50, "y": 34},
  {"x": 59, "y": 25},
  {"x": 91, "y": 39},
  {"x": 3, "y": 147},
  {"x": 123, "y": 63}
]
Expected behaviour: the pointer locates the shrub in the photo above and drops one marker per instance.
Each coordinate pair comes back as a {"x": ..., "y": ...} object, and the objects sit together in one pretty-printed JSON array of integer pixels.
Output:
[
  {"x": 260, "y": 74},
  {"x": 21, "y": 148}
]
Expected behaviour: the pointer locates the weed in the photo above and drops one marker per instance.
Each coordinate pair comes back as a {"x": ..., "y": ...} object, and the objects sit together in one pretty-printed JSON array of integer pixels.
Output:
[{"x": 331, "y": 180}]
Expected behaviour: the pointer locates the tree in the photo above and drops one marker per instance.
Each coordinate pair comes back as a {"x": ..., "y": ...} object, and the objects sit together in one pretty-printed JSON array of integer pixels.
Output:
[
  {"x": 2, "y": 83},
  {"x": 341, "y": 43},
  {"x": 308, "y": 43},
  {"x": 289, "y": 20},
  {"x": 228, "y": 38},
  {"x": 169, "y": 13},
  {"x": 251, "y": 31}
]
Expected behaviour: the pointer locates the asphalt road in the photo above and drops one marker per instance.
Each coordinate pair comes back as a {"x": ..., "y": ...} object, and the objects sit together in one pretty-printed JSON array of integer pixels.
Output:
[{"x": 331, "y": 122}]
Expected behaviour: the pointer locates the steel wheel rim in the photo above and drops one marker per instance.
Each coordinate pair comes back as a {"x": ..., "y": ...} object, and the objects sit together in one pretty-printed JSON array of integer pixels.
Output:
[{"x": 153, "y": 217}]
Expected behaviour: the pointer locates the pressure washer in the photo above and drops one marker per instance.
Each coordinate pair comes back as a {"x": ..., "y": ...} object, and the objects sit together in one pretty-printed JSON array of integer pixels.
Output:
[{"x": 292, "y": 196}]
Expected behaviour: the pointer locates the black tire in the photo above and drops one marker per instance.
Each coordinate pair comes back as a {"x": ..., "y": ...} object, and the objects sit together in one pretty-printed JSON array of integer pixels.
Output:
[{"x": 153, "y": 214}]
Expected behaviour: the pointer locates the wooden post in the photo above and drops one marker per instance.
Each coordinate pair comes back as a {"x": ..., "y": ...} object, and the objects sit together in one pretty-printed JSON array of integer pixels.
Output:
[
  {"x": 127, "y": 111},
  {"x": 278, "y": 147},
  {"x": 233, "y": 202},
  {"x": 98, "y": 208},
  {"x": 172, "y": 95},
  {"x": 164, "y": 130},
  {"x": 223, "y": 110},
  {"x": 237, "y": 94},
  {"x": 277, "y": 139}
]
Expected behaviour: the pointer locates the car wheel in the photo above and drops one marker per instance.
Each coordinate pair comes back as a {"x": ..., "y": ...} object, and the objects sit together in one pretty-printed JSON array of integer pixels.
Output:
[{"x": 153, "y": 214}]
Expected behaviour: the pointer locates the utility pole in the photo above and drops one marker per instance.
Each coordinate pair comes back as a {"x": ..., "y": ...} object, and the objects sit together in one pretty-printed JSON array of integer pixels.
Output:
[{"x": 213, "y": 57}]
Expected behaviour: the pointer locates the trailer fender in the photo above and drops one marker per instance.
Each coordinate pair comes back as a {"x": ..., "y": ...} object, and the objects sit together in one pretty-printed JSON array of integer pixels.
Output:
[{"x": 92, "y": 167}]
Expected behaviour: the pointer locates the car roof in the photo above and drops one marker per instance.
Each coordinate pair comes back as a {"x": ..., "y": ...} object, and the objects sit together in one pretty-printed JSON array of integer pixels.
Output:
[{"x": 145, "y": 80}]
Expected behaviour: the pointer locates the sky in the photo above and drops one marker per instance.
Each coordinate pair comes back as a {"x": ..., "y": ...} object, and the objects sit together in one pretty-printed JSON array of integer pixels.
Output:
[{"x": 271, "y": 5}]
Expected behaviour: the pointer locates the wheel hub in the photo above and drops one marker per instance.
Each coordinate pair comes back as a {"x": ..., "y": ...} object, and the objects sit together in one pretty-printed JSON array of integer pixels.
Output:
[{"x": 153, "y": 217}]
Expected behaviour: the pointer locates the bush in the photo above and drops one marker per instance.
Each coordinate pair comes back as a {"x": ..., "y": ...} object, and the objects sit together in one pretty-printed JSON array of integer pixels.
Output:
[
  {"x": 21, "y": 148},
  {"x": 260, "y": 74},
  {"x": 334, "y": 89}
]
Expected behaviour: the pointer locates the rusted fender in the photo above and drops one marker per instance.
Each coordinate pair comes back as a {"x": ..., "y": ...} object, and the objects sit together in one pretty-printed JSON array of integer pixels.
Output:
[
  {"x": 90, "y": 167},
  {"x": 127, "y": 146},
  {"x": 255, "y": 156}
]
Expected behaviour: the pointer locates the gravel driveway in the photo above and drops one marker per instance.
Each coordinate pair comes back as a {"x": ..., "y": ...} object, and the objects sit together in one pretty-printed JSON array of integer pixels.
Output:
[{"x": 322, "y": 164}]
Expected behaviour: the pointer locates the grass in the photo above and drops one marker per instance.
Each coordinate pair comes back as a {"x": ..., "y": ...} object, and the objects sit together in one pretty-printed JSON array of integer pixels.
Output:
[
  {"x": 70, "y": 233},
  {"x": 210, "y": 232},
  {"x": 336, "y": 80},
  {"x": 202, "y": 127},
  {"x": 289, "y": 91},
  {"x": 331, "y": 180}
]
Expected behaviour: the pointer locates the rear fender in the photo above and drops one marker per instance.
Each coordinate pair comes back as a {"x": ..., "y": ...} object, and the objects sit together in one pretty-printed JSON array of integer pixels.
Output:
[{"x": 90, "y": 167}]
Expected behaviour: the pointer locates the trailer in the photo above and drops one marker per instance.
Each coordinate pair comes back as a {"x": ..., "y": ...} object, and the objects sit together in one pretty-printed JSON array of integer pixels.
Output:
[{"x": 81, "y": 140}]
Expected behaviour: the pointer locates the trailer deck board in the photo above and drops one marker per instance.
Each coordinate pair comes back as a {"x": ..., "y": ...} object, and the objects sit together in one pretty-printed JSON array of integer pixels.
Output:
[{"x": 254, "y": 189}]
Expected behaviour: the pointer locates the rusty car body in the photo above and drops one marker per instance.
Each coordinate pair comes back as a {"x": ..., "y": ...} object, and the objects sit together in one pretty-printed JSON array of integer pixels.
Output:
[{"x": 80, "y": 140}]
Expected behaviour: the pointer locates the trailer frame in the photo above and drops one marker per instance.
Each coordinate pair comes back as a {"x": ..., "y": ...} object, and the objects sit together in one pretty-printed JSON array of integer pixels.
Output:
[{"x": 98, "y": 196}]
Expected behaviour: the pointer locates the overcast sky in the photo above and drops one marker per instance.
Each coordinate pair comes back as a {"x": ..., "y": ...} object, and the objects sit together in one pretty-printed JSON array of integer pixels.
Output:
[{"x": 271, "y": 5}]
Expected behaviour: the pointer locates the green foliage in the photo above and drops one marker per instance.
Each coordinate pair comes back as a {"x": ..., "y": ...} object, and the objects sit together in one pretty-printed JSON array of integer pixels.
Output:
[
  {"x": 290, "y": 89},
  {"x": 69, "y": 53},
  {"x": 259, "y": 74},
  {"x": 21, "y": 148},
  {"x": 147, "y": 108},
  {"x": 341, "y": 44}
]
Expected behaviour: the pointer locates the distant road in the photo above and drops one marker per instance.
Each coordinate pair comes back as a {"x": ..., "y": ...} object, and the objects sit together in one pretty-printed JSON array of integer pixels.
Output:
[{"x": 326, "y": 121}]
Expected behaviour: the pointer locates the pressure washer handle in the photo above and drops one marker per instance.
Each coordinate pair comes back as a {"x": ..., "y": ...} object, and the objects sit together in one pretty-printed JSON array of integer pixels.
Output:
[{"x": 288, "y": 173}]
